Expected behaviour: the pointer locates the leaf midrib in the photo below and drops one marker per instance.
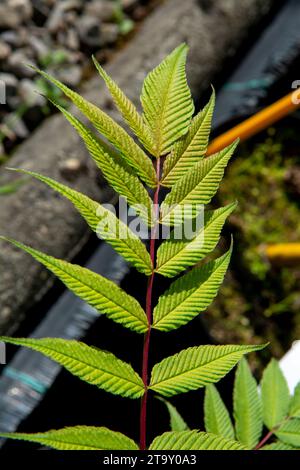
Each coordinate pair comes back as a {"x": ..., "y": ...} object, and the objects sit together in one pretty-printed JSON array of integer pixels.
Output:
[
  {"x": 195, "y": 368},
  {"x": 196, "y": 290},
  {"x": 165, "y": 100},
  {"x": 182, "y": 201},
  {"x": 205, "y": 227},
  {"x": 48, "y": 348},
  {"x": 97, "y": 292},
  {"x": 187, "y": 144}
]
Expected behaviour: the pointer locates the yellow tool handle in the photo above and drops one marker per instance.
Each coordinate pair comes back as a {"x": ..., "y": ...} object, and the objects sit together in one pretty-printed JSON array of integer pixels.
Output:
[
  {"x": 256, "y": 123},
  {"x": 283, "y": 253}
]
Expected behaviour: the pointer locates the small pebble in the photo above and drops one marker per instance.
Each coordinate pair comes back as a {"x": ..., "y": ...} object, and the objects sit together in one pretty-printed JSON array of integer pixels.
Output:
[{"x": 71, "y": 167}]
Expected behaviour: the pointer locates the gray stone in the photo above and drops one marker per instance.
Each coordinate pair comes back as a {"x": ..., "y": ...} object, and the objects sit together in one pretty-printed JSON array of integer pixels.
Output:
[
  {"x": 5, "y": 50},
  {"x": 13, "y": 38},
  {"x": 18, "y": 62},
  {"x": 28, "y": 94},
  {"x": 110, "y": 33},
  {"x": 10, "y": 83},
  {"x": 56, "y": 20},
  {"x": 15, "y": 125},
  {"x": 14, "y": 12},
  {"x": 71, "y": 168},
  {"x": 103, "y": 10},
  {"x": 89, "y": 31},
  {"x": 35, "y": 214},
  {"x": 70, "y": 74},
  {"x": 71, "y": 39},
  {"x": 39, "y": 45}
]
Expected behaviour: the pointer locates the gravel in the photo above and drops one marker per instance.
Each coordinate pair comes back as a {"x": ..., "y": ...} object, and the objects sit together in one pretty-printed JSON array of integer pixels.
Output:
[{"x": 58, "y": 36}]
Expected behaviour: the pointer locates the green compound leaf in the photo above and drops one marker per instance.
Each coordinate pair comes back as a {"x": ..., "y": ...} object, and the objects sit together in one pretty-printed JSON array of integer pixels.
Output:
[
  {"x": 190, "y": 148},
  {"x": 167, "y": 102},
  {"x": 193, "y": 440},
  {"x": 119, "y": 175},
  {"x": 190, "y": 294},
  {"x": 105, "y": 224},
  {"x": 94, "y": 289},
  {"x": 177, "y": 422},
  {"x": 275, "y": 395},
  {"x": 195, "y": 188},
  {"x": 278, "y": 446},
  {"x": 294, "y": 410},
  {"x": 91, "y": 365},
  {"x": 216, "y": 417},
  {"x": 247, "y": 406},
  {"x": 178, "y": 253},
  {"x": 289, "y": 432},
  {"x": 114, "y": 133},
  {"x": 78, "y": 438},
  {"x": 196, "y": 367},
  {"x": 128, "y": 110}
]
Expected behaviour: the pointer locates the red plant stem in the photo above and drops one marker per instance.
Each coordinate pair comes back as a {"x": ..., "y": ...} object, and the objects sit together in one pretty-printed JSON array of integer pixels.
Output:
[
  {"x": 143, "y": 415},
  {"x": 265, "y": 439},
  {"x": 270, "y": 433}
]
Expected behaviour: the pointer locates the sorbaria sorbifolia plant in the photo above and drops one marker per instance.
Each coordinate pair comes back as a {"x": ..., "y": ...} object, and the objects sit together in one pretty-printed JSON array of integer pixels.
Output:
[
  {"x": 272, "y": 408},
  {"x": 166, "y": 130}
]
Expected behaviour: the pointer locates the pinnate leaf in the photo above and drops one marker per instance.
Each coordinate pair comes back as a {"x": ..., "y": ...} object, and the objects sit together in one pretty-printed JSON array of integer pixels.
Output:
[
  {"x": 216, "y": 417},
  {"x": 91, "y": 365},
  {"x": 190, "y": 294},
  {"x": 177, "y": 422},
  {"x": 119, "y": 175},
  {"x": 114, "y": 133},
  {"x": 193, "y": 440},
  {"x": 289, "y": 432},
  {"x": 78, "y": 438},
  {"x": 94, "y": 289},
  {"x": 177, "y": 253},
  {"x": 105, "y": 224},
  {"x": 294, "y": 410},
  {"x": 195, "y": 188},
  {"x": 167, "y": 102},
  {"x": 247, "y": 406},
  {"x": 128, "y": 110},
  {"x": 190, "y": 148},
  {"x": 196, "y": 367},
  {"x": 275, "y": 395}
]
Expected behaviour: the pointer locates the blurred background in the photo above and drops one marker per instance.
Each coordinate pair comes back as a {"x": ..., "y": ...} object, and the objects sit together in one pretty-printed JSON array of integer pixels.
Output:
[{"x": 251, "y": 53}]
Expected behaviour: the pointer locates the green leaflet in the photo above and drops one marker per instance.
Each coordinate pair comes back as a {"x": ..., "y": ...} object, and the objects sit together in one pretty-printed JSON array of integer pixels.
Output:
[
  {"x": 176, "y": 254},
  {"x": 195, "y": 188},
  {"x": 278, "y": 446},
  {"x": 91, "y": 365},
  {"x": 116, "y": 135},
  {"x": 177, "y": 422},
  {"x": 119, "y": 175},
  {"x": 190, "y": 148},
  {"x": 78, "y": 438},
  {"x": 247, "y": 407},
  {"x": 275, "y": 395},
  {"x": 196, "y": 367},
  {"x": 294, "y": 410},
  {"x": 190, "y": 294},
  {"x": 105, "y": 224},
  {"x": 128, "y": 110},
  {"x": 94, "y": 289},
  {"x": 289, "y": 432},
  {"x": 216, "y": 416},
  {"x": 167, "y": 102},
  {"x": 193, "y": 440}
]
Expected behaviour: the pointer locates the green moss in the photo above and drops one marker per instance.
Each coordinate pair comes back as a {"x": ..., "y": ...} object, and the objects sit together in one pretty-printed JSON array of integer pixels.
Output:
[{"x": 261, "y": 301}]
